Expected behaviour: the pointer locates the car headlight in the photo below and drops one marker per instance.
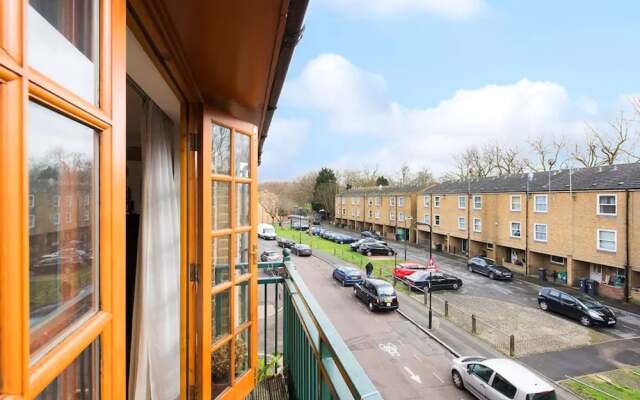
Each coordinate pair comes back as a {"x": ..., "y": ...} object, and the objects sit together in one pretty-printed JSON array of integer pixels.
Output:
[{"x": 595, "y": 315}]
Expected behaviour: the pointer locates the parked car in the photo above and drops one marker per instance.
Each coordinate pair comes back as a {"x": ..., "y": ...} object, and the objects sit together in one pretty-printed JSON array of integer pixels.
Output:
[
  {"x": 270, "y": 256},
  {"x": 285, "y": 243},
  {"x": 585, "y": 309},
  {"x": 439, "y": 280},
  {"x": 316, "y": 230},
  {"x": 266, "y": 231},
  {"x": 343, "y": 239},
  {"x": 329, "y": 235},
  {"x": 377, "y": 294},
  {"x": 355, "y": 246},
  {"x": 499, "y": 379},
  {"x": 488, "y": 267},
  {"x": 301, "y": 250},
  {"x": 403, "y": 270},
  {"x": 370, "y": 234},
  {"x": 347, "y": 275},
  {"x": 376, "y": 248}
]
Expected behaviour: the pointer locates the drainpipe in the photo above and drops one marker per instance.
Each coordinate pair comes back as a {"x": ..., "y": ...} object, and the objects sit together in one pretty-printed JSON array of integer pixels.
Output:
[
  {"x": 526, "y": 229},
  {"x": 626, "y": 252}
]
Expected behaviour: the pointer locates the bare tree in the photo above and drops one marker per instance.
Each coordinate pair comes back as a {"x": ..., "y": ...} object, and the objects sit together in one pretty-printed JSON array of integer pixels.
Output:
[
  {"x": 405, "y": 172},
  {"x": 546, "y": 155},
  {"x": 270, "y": 204}
]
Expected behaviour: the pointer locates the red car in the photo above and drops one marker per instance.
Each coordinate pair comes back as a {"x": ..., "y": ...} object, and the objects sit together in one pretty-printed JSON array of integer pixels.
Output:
[{"x": 403, "y": 270}]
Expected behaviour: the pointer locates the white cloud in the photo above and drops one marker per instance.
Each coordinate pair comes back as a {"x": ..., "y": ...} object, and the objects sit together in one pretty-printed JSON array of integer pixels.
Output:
[
  {"x": 451, "y": 9},
  {"x": 286, "y": 138},
  {"x": 355, "y": 102}
]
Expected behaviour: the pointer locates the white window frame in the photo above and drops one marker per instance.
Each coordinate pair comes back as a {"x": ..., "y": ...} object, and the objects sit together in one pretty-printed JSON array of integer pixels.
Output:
[
  {"x": 478, "y": 226},
  {"x": 426, "y": 201},
  {"x": 615, "y": 240},
  {"x": 401, "y": 201},
  {"x": 377, "y": 214},
  {"x": 462, "y": 223},
  {"x": 535, "y": 203},
  {"x": 462, "y": 202},
  {"x": 426, "y": 218},
  {"x": 436, "y": 201},
  {"x": 392, "y": 201},
  {"x": 479, "y": 198},
  {"x": 55, "y": 219},
  {"x": 511, "y": 229},
  {"x": 357, "y": 212},
  {"x": 392, "y": 216},
  {"x": 353, "y": 212},
  {"x": 490, "y": 246},
  {"x": 615, "y": 204},
  {"x": 353, "y": 201},
  {"x": 32, "y": 200},
  {"x": 436, "y": 220},
  {"x": 378, "y": 201},
  {"x": 32, "y": 221},
  {"x": 556, "y": 262},
  {"x": 513, "y": 196},
  {"x": 400, "y": 215},
  {"x": 535, "y": 233}
]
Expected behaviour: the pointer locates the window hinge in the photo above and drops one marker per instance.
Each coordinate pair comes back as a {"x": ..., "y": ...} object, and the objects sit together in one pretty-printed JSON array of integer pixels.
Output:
[
  {"x": 193, "y": 392},
  {"x": 193, "y": 273},
  {"x": 193, "y": 142}
]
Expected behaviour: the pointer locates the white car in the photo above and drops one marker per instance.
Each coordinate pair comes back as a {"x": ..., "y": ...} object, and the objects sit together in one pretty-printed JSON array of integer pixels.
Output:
[
  {"x": 499, "y": 379},
  {"x": 266, "y": 231}
]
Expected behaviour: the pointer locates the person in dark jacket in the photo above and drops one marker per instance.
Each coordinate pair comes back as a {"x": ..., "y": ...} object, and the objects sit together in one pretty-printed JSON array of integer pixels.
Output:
[{"x": 369, "y": 269}]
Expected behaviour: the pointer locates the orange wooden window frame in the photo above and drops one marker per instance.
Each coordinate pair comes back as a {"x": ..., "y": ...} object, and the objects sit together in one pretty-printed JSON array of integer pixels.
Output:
[{"x": 20, "y": 84}]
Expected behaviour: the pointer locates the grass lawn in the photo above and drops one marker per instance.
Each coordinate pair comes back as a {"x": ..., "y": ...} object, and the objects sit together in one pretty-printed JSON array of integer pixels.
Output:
[{"x": 621, "y": 383}]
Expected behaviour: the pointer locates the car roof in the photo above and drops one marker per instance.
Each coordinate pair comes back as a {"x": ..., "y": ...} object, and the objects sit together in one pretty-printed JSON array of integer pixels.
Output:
[
  {"x": 348, "y": 268},
  {"x": 378, "y": 282},
  {"x": 518, "y": 375}
]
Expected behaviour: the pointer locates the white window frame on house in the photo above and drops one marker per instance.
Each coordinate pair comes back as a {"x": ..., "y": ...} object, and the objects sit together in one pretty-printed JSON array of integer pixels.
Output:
[
  {"x": 357, "y": 212},
  {"x": 353, "y": 201},
  {"x": 378, "y": 201},
  {"x": 353, "y": 212},
  {"x": 32, "y": 200},
  {"x": 514, "y": 196},
  {"x": 377, "y": 214},
  {"x": 426, "y": 201},
  {"x": 615, "y": 204},
  {"x": 551, "y": 260},
  {"x": 400, "y": 215},
  {"x": 392, "y": 201},
  {"x": 511, "y": 229},
  {"x": 462, "y": 223},
  {"x": 55, "y": 219},
  {"x": 436, "y": 201},
  {"x": 490, "y": 246},
  {"x": 370, "y": 214},
  {"x": 535, "y": 233},
  {"x": 392, "y": 216},
  {"x": 426, "y": 218},
  {"x": 401, "y": 201},
  {"x": 56, "y": 200},
  {"x": 343, "y": 200},
  {"x": 462, "y": 202},
  {"x": 615, "y": 240},
  {"x": 436, "y": 220},
  {"x": 477, "y": 225},
  {"x": 32, "y": 221},
  {"x": 477, "y": 202},
  {"x": 535, "y": 203}
]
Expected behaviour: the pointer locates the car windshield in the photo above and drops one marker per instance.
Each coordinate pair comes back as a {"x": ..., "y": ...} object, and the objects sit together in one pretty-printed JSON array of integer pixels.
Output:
[
  {"x": 589, "y": 302},
  {"x": 419, "y": 276},
  {"x": 386, "y": 290},
  {"x": 489, "y": 261},
  {"x": 303, "y": 246},
  {"x": 542, "y": 396}
]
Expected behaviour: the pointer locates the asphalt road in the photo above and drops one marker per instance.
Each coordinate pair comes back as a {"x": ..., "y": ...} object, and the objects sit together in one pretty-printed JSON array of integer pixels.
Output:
[{"x": 402, "y": 362}]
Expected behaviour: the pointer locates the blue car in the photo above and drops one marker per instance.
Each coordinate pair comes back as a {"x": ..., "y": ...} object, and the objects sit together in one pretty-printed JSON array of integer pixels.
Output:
[
  {"x": 343, "y": 239},
  {"x": 316, "y": 230},
  {"x": 347, "y": 275}
]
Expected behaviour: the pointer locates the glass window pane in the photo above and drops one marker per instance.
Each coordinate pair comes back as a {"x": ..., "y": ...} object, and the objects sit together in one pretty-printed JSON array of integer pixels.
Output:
[
  {"x": 220, "y": 150},
  {"x": 220, "y": 213},
  {"x": 242, "y": 202},
  {"x": 63, "y": 43},
  {"x": 220, "y": 369},
  {"x": 220, "y": 259},
  {"x": 79, "y": 381},
  {"x": 63, "y": 243},
  {"x": 242, "y": 253},
  {"x": 241, "y": 304},
  {"x": 241, "y": 148},
  {"x": 243, "y": 359},
  {"x": 220, "y": 312}
]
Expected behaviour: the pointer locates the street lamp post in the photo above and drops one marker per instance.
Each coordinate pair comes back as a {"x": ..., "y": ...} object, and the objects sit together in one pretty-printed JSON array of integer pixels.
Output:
[
  {"x": 430, "y": 313},
  {"x": 409, "y": 218}
]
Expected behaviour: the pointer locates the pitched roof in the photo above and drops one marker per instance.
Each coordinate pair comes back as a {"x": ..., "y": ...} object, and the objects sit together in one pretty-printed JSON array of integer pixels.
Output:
[
  {"x": 610, "y": 177},
  {"x": 382, "y": 190}
]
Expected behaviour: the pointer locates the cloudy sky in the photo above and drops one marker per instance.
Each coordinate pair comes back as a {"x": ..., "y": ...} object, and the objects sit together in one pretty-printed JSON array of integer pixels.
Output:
[{"x": 379, "y": 82}]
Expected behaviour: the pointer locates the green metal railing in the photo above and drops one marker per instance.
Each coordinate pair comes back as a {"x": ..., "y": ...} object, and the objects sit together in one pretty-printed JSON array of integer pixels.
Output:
[{"x": 317, "y": 362}]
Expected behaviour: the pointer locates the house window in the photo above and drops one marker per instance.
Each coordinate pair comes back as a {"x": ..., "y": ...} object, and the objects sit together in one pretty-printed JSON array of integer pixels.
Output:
[
  {"x": 607, "y": 204},
  {"x": 477, "y": 202},
  {"x": 436, "y": 220},
  {"x": 489, "y": 246},
  {"x": 541, "y": 203},
  {"x": 353, "y": 212},
  {"x": 392, "y": 216},
  {"x": 540, "y": 232},
  {"x": 607, "y": 240},
  {"x": 377, "y": 214},
  {"x": 353, "y": 201},
  {"x": 426, "y": 201},
  {"x": 358, "y": 212},
  {"x": 370, "y": 213},
  {"x": 343, "y": 200},
  {"x": 556, "y": 260},
  {"x": 426, "y": 219},
  {"x": 515, "y": 229},
  {"x": 400, "y": 216},
  {"x": 32, "y": 200},
  {"x": 401, "y": 201},
  {"x": 436, "y": 201},
  {"x": 392, "y": 201},
  {"x": 32, "y": 221},
  {"x": 477, "y": 225},
  {"x": 462, "y": 202},
  {"x": 516, "y": 203},
  {"x": 378, "y": 201},
  {"x": 462, "y": 223}
]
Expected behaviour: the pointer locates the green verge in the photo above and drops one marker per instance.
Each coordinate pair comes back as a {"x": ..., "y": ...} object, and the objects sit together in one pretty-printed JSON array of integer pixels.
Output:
[{"x": 620, "y": 383}]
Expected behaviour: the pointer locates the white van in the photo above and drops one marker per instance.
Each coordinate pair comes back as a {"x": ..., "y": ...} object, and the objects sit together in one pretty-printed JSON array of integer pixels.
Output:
[
  {"x": 266, "y": 231},
  {"x": 499, "y": 379}
]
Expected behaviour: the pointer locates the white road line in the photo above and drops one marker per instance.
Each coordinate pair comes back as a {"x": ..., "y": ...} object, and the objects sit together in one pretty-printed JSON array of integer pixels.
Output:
[
  {"x": 413, "y": 376},
  {"x": 437, "y": 377}
]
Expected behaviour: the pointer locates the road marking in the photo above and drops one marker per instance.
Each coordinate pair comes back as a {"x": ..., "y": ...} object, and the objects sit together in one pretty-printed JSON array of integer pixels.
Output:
[
  {"x": 437, "y": 377},
  {"x": 413, "y": 376},
  {"x": 389, "y": 348}
]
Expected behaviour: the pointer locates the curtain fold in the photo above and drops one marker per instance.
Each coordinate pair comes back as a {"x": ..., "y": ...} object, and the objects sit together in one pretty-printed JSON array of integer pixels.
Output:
[{"x": 155, "y": 352}]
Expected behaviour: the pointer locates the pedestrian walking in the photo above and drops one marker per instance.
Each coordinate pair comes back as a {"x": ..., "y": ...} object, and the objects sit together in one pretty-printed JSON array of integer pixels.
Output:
[{"x": 369, "y": 269}]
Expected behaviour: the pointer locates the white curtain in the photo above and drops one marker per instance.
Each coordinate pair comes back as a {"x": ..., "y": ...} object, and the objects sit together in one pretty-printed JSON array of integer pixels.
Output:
[{"x": 155, "y": 352}]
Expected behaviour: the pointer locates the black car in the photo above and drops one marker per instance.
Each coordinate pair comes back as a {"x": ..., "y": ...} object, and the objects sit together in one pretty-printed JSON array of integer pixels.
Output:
[
  {"x": 370, "y": 234},
  {"x": 284, "y": 242},
  {"x": 376, "y": 248},
  {"x": 377, "y": 294},
  {"x": 343, "y": 239},
  {"x": 355, "y": 246},
  {"x": 301, "y": 250},
  {"x": 488, "y": 267},
  {"x": 439, "y": 281},
  {"x": 582, "y": 308},
  {"x": 270, "y": 256}
]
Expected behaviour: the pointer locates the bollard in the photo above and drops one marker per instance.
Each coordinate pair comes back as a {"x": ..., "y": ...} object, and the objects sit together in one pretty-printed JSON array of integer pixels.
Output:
[
  {"x": 512, "y": 346},
  {"x": 425, "y": 297},
  {"x": 473, "y": 324},
  {"x": 446, "y": 309}
]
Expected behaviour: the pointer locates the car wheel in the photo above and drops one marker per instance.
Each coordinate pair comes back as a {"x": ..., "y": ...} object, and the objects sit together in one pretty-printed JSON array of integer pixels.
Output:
[
  {"x": 371, "y": 308},
  {"x": 343, "y": 284},
  {"x": 457, "y": 380},
  {"x": 369, "y": 254},
  {"x": 492, "y": 276},
  {"x": 543, "y": 306},
  {"x": 470, "y": 269},
  {"x": 455, "y": 286},
  {"x": 355, "y": 291},
  {"x": 390, "y": 253},
  {"x": 585, "y": 321}
]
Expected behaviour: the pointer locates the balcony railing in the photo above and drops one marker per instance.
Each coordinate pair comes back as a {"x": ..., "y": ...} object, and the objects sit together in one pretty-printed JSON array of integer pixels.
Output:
[{"x": 317, "y": 362}]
